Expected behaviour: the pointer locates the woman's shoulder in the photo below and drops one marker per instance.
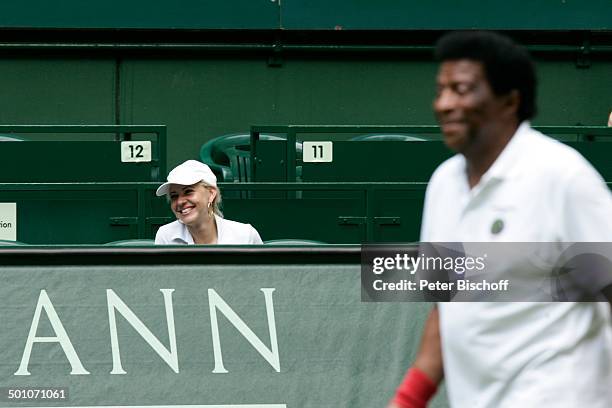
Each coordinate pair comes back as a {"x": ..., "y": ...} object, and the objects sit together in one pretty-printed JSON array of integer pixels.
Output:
[
  {"x": 234, "y": 232},
  {"x": 168, "y": 232},
  {"x": 170, "y": 227},
  {"x": 235, "y": 225}
]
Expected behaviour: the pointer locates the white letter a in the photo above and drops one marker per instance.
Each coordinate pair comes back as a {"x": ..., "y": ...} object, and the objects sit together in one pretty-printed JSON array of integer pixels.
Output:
[{"x": 61, "y": 337}]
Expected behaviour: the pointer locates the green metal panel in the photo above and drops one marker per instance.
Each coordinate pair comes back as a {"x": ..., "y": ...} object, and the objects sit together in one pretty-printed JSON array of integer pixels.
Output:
[
  {"x": 414, "y": 161},
  {"x": 569, "y": 95},
  {"x": 205, "y": 95},
  {"x": 85, "y": 213},
  {"x": 387, "y": 161},
  {"x": 337, "y": 213},
  {"x": 39, "y": 162},
  {"x": 140, "y": 14},
  {"x": 379, "y": 161},
  {"x": 271, "y": 161},
  {"x": 325, "y": 214},
  {"x": 71, "y": 217},
  {"x": 352, "y": 353},
  {"x": 84, "y": 159},
  {"x": 396, "y": 212},
  {"x": 598, "y": 154},
  {"x": 308, "y": 15},
  {"x": 57, "y": 90},
  {"x": 446, "y": 15},
  {"x": 201, "y": 98}
]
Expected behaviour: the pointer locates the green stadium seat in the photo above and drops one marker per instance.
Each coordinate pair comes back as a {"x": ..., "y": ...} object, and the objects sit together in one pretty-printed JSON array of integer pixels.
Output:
[
  {"x": 293, "y": 242},
  {"x": 229, "y": 156},
  {"x": 132, "y": 242},
  {"x": 387, "y": 137},
  {"x": 7, "y": 242},
  {"x": 11, "y": 138}
]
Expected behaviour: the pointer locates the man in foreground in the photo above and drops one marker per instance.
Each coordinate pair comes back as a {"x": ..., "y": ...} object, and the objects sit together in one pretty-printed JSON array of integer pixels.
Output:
[{"x": 508, "y": 183}]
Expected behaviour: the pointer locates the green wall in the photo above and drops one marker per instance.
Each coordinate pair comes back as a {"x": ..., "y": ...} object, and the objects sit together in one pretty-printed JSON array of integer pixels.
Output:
[
  {"x": 199, "y": 97},
  {"x": 57, "y": 90},
  {"x": 308, "y": 14}
]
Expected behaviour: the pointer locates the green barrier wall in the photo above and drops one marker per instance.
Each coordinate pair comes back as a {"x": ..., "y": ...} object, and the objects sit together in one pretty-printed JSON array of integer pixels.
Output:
[
  {"x": 140, "y": 14},
  {"x": 280, "y": 328},
  {"x": 82, "y": 153},
  {"x": 335, "y": 213},
  {"x": 200, "y": 92},
  {"x": 85, "y": 213},
  {"x": 446, "y": 14},
  {"x": 300, "y": 14},
  {"x": 340, "y": 213}
]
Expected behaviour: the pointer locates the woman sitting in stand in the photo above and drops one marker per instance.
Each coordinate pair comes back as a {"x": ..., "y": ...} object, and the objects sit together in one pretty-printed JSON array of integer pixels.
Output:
[{"x": 195, "y": 199}]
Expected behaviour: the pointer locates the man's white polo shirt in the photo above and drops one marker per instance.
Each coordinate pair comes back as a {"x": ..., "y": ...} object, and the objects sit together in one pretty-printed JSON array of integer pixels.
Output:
[
  {"x": 228, "y": 233},
  {"x": 524, "y": 354}
]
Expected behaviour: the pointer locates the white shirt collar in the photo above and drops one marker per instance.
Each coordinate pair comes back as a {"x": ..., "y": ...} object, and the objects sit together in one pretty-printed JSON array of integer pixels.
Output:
[
  {"x": 182, "y": 233},
  {"x": 506, "y": 166}
]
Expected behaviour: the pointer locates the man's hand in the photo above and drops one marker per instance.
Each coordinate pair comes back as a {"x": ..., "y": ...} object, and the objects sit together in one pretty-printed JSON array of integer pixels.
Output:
[
  {"x": 429, "y": 356},
  {"x": 423, "y": 377}
]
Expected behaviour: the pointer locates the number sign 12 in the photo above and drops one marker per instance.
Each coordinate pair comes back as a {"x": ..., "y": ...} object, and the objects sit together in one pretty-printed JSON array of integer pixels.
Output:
[
  {"x": 134, "y": 152},
  {"x": 317, "y": 152}
]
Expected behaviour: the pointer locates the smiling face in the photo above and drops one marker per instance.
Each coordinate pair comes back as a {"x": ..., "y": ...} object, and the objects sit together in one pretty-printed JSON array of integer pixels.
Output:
[
  {"x": 466, "y": 108},
  {"x": 190, "y": 203}
]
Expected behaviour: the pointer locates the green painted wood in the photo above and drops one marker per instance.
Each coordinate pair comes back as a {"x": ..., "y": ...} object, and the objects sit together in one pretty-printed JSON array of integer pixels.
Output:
[
  {"x": 395, "y": 161},
  {"x": 379, "y": 161},
  {"x": 335, "y": 213},
  {"x": 79, "y": 153},
  {"x": 57, "y": 90},
  {"x": 96, "y": 213},
  {"x": 598, "y": 154},
  {"x": 308, "y": 15},
  {"x": 70, "y": 161},
  {"x": 85, "y": 213},
  {"x": 140, "y": 14},
  {"x": 201, "y": 97},
  {"x": 445, "y": 15}
]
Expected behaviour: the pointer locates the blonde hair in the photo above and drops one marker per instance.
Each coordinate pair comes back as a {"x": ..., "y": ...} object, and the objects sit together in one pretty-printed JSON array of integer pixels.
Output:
[{"x": 216, "y": 204}]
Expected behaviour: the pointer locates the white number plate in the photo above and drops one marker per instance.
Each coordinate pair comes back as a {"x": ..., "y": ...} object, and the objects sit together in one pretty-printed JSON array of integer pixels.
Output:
[
  {"x": 317, "y": 152},
  {"x": 134, "y": 152}
]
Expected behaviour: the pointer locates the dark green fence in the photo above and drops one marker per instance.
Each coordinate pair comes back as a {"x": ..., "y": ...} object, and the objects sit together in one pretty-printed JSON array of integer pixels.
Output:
[
  {"x": 387, "y": 160},
  {"x": 337, "y": 213},
  {"x": 95, "y": 213},
  {"x": 82, "y": 153},
  {"x": 85, "y": 213}
]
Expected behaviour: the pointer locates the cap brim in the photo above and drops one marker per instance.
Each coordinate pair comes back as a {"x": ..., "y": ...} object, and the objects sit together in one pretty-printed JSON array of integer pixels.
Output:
[{"x": 163, "y": 189}]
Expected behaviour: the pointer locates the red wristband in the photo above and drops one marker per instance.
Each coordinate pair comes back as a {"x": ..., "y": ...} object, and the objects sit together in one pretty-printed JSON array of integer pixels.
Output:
[{"x": 415, "y": 391}]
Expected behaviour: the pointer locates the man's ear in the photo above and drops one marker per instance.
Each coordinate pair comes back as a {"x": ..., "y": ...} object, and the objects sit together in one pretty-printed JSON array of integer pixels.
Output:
[{"x": 512, "y": 102}]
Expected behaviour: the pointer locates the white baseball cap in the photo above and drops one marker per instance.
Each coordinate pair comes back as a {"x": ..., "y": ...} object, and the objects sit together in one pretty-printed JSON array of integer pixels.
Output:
[{"x": 188, "y": 173}]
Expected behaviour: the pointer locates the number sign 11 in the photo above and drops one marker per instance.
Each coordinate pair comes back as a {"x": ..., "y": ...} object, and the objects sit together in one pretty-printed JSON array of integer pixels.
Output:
[
  {"x": 317, "y": 152},
  {"x": 134, "y": 152}
]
